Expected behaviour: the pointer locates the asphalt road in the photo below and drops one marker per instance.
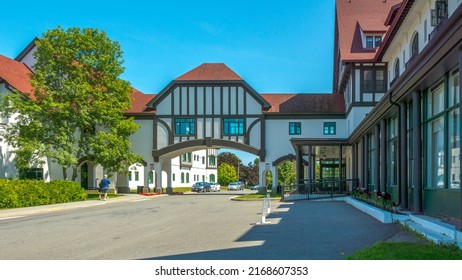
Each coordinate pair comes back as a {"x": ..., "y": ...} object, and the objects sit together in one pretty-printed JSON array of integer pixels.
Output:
[{"x": 191, "y": 226}]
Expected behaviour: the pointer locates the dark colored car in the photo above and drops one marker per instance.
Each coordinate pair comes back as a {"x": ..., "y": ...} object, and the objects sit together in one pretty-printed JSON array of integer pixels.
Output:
[{"x": 201, "y": 187}]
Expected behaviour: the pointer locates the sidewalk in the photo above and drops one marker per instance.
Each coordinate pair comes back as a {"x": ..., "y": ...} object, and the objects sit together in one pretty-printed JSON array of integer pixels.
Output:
[{"x": 34, "y": 210}]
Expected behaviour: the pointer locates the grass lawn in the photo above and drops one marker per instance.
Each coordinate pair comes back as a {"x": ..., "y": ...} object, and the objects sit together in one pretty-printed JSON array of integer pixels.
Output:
[
  {"x": 94, "y": 196},
  {"x": 256, "y": 196},
  {"x": 408, "y": 251}
]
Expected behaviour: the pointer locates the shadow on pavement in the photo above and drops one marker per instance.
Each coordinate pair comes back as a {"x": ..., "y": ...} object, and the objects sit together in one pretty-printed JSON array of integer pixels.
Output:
[{"x": 304, "y": 231}]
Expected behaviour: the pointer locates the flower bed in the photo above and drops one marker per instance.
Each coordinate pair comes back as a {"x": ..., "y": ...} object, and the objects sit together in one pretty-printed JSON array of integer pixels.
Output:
[{"x": 377, "y": 199}]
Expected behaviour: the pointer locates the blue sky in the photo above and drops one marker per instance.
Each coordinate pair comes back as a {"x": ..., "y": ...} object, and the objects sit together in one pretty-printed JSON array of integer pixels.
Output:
[{"x": 275, "y": 46}]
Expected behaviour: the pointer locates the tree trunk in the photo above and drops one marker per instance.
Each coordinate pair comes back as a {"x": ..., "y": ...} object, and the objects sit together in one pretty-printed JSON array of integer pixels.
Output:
[
  {"x": 64, "y": 173},
  {"x": 74, "y": 174}
]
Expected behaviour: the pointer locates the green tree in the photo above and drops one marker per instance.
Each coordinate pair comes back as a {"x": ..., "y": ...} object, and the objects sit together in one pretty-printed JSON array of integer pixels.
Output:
[
  {"x": 226, "y": 174},
  {"x": 228, "y": 158},
  {"x": 250, "y": 174},
  {"x": 286, "y": 173},
  {"x": 77, "y": 110}
]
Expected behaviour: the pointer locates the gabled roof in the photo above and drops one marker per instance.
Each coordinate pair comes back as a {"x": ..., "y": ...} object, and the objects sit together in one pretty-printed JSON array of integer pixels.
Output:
[
  {"x": 305, "y": 103},
  {"x": 210, "y": 72},
  {"x": 354, "y": 16},
  {"x": 139, "y": 101},
  {"x": 15, "y": 74},
  {"x": 27, "y": 49},
  {"x": 395, "y": 24},
  {"x": 392, "y": 14}
]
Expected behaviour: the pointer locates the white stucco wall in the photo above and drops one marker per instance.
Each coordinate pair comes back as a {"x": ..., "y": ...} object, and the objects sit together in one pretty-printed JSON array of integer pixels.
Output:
[
  {"x": 278, "y": 138},
  {"x": 421, "y": 23},
  {"x": 29, "y": 59},
  {"x": 355, "y": 116}
]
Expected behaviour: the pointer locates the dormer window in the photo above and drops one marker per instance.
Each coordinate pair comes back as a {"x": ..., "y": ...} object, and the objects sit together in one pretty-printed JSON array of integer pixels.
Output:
[
  {"x": 369, "y": 42},
  {"x": 373, "y": 41},
  {"x": 377, "y": 41}
]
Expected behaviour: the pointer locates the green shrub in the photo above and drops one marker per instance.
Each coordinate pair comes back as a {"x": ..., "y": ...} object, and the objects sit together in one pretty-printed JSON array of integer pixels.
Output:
[{"x": 25, "y": 193}]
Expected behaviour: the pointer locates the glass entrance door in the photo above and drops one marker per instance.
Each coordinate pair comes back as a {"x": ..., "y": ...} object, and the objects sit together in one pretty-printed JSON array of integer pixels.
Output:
[{"x": 330, "y": 170}]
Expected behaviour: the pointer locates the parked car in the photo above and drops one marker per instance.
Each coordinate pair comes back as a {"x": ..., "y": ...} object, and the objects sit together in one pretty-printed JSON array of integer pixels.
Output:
[
  {"x": 201, "y": 187},
  {"x": 256, "y": 187},
  {"x": 215, "y": 187},
  {"x": 235, "y": 186}
]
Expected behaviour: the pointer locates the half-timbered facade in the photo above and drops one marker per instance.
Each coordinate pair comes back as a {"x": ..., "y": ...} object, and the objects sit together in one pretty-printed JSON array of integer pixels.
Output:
[{"x": 392, "y": 123}]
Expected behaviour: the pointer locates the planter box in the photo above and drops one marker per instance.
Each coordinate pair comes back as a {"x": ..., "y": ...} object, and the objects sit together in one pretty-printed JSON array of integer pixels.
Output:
[{"x": 379, "y": 214}]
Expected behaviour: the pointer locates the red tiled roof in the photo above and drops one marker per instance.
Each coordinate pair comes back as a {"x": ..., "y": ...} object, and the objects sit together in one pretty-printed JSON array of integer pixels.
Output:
[
  {"x": 210, "y": 72},
  {"x": 16, "y": 74},
  {"x": 139, "y": 101},
  {"x": 356, "y": 15},
  {"x": 305, "y": 103}
]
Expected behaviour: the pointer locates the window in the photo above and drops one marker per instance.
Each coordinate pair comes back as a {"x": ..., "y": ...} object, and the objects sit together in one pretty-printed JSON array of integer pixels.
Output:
[
  {"x": 187, "y": 178},
  {"x": 185, "y": 126},
  {"x": 377, "y": 41},
  {"x": 380, "y": 80},
  {"x": 295, "y": 128},
  {"x": 212, "y": 160},
  {"x": 182, "y": 177},
  {"x": 440, "y": 12},
  {"x": 454, "y": 90},
  {"x": 396, "y": 68},
  {"x": 31, "y": 173},
  {"x": 454, "y": 148},
  {"x": 373, "y": 41},
  {"x": 442, "y": 147},
  {"x": 368, "y": 81},
  {"x": 415, "y": 45},
  {"x": 371, "y": 162},
  {"x": 233, "y": 126},
  {"x": 436, "y": 101},
  {"x": 436, "y": 149},
  {"x": 392, "y": 160},
  {"x": 173, "y": 176},
  {"x": 137, "y": 175},
  {"x": 151, "y": 177},
  {"x": 369, "y": 42},
  {"x": 329, "y": 128},
  {"x": 212, "y": 178}
]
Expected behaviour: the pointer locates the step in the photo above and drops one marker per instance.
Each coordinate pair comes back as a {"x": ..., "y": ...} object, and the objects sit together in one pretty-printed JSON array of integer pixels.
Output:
[
  {"x": 429, "y": 233},
  {"x": 435, "y": 225}
]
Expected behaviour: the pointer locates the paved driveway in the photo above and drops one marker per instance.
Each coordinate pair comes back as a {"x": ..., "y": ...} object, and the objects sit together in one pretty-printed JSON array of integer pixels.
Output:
[
  {"x": 195, "y": 226},
  {"x": 305, "y": 230}
]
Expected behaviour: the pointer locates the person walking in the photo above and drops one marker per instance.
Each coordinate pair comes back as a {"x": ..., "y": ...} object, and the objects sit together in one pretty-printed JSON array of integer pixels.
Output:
[{"x": 104, "y": 187}]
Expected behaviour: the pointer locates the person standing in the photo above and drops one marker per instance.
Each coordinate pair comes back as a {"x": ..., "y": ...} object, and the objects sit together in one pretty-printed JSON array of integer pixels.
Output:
[{"x": 104, "y": 187}]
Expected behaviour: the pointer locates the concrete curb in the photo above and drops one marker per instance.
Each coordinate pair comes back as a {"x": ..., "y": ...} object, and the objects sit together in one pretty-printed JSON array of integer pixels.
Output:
[{"x": 34, "y": 210}]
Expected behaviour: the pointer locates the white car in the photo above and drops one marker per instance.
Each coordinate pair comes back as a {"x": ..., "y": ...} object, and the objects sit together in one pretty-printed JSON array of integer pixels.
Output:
[
  {"x": 235, "y": 186},
  {"x": 215, "y": 187}
]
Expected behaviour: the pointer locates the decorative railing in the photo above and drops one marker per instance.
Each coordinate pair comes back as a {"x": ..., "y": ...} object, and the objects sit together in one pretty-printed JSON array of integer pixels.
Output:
[
  {"x": 437, "y": 28},
  {"x": 319, "y": 189}
]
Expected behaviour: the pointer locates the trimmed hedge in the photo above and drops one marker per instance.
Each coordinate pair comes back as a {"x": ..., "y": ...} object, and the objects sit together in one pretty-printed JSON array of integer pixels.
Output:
[{"x": 25, "y": 193}]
